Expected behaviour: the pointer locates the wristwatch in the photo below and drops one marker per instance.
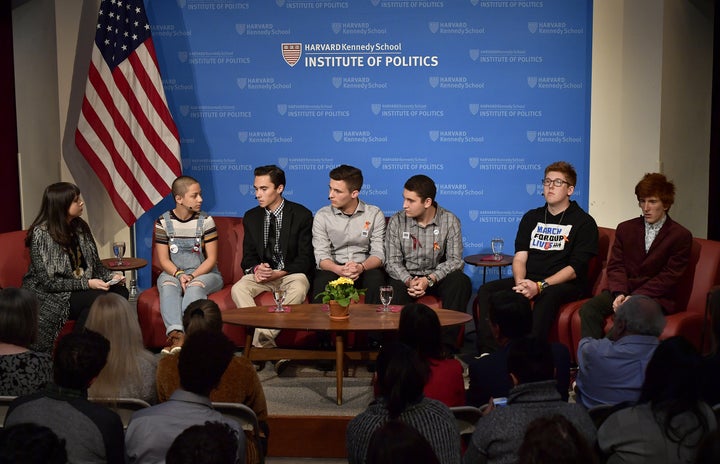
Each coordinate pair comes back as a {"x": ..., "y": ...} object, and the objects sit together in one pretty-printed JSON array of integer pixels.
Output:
[
  {"x": 430, "y": 281},
  {"x": 542, "y": 285}
]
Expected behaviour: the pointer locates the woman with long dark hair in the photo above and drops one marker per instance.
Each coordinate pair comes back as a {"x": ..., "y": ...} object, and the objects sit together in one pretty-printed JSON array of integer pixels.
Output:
[
  {"x": 419, "y": 328},
  {"x": 401, "y": 377},
  {"x": 670, "y": 420},
  {"x": 65, "y": 273}
]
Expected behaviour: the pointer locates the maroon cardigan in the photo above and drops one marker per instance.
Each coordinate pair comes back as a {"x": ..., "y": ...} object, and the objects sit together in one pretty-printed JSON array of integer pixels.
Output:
[{"x": 631, "y": 271}]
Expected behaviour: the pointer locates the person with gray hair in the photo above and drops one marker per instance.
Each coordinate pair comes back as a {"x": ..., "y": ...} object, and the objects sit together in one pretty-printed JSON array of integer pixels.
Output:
[{"x": 611, "y": 370}]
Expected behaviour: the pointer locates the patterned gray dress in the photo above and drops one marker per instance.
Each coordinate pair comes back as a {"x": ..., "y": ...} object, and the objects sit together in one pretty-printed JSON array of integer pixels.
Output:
[{"x": 24, "y": 373}]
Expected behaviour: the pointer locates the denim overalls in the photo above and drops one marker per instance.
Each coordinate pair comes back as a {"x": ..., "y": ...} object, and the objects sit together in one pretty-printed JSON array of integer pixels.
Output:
[{"x": 186, "y": 254}]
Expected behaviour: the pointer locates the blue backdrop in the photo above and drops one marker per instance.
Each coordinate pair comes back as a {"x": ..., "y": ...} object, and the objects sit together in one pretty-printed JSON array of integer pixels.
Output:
[{"x": 479, "y": 95}]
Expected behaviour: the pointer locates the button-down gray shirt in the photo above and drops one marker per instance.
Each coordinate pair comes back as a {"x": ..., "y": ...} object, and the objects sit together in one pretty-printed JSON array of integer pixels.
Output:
[
  {"x": 152, "y": 430},
  {"x": 344, "y": 238},
  {"x": 411, "y": 250}
]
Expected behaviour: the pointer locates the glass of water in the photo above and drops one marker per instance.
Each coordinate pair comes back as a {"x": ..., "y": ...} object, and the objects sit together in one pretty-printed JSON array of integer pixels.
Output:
[
  {"x": 497, "y": 247},
  {"x": 279, "y": 297},
  {"x": 386, "y": 294},
  {"x": 119, "y": 252}
]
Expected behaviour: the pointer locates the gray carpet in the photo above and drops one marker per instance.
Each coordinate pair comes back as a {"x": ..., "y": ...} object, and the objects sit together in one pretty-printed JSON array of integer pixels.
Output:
[{"x": 302, "y": 390}]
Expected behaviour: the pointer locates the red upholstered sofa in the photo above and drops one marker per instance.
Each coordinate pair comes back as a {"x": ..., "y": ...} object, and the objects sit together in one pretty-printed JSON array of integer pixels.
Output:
[
  {"x": 230, "y": 239},
  {"x": 14, "y": 258}
]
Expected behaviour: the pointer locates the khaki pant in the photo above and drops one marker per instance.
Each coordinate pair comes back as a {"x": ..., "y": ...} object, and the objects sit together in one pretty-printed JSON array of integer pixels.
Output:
[{"x": 246, "y": 289}]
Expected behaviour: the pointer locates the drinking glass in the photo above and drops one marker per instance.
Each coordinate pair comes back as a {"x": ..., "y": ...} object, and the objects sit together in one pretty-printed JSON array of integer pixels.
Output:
[
  {"x": 119, "y": 252},
  {"x": 386, "y": 294},
  {"x": 497, "y": 247},
  {"x": 279, "y": 297}
]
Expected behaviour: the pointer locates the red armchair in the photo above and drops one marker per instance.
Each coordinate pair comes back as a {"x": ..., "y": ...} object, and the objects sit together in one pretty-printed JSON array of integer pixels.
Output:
[
  {"x": 597, "y": 279},
  {"x": 703, "y": 272},
  {"x": 14, "y": 259},
  {"x": 15, "y": 262},
  {"x": 596, "y": 276}
]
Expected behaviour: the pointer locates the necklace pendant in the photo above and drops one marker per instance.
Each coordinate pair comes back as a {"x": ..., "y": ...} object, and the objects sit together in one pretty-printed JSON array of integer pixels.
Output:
[{"x": 78, "y": 272}]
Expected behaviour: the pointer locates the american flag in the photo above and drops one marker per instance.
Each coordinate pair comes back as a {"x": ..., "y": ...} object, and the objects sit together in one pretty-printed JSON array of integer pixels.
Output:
[{"x": 126, "y": 132}]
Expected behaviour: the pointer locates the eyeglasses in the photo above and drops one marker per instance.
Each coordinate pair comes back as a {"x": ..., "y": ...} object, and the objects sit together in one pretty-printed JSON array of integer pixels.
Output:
[{"x": 556, "y": 182}]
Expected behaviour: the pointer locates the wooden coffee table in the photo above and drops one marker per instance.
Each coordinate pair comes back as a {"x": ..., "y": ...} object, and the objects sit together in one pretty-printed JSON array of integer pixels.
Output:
[{"x": 363, "y": 317}]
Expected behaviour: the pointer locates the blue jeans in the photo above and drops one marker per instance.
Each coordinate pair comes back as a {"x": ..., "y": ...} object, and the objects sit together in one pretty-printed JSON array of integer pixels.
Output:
[{"x": 173, "y": 302}]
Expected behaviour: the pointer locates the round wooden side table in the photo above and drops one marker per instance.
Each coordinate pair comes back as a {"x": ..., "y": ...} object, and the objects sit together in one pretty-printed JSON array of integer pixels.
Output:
[{"x": 485, "y": 261}]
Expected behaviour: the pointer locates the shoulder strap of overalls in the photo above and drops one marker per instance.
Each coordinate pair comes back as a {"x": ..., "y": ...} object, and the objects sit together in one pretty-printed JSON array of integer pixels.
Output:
[{"x": 169, "y": 229}]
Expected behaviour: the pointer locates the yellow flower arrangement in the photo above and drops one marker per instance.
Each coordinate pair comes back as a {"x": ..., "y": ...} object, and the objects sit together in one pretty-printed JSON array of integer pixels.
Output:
[{"x": 341, "y": 290}]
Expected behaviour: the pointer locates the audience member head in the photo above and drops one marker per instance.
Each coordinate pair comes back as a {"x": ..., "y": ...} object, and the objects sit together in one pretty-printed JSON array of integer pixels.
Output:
[
  {"x": 395, "y": 442},
  {"x": 672, "y": 373},
  {"x": 423, "y": 186},
  {"x": 212, "y": 443},
  {"x": 203, "y": 360},
  {"x": 530, "y": 360},
  {"x": 79, "y": 358},
  {"x": 401, "y": 377},
  {"x": 30, "y": 443},
  {"x": 352, "y": 176},
  {"x": 202, "y": 315},
  {"x": 565, "y": 169},
  {"x": 639, "y": 315},
  {"x": 18, "y": 316},
  {"x": 55, "y": 212},
  {"x": 654, "y": 184},
  {"x": 277, "y": 175},
  {"x": 510, "y": 315},
  {"x": 709, "y": 449},
  {"x": 181, "y": 185},
  {"x": 419, "y": 328},
  {"x": 114, "y": 318},
  {"x": 672, "y": 387},
  {"x": 554, "y": 439}
]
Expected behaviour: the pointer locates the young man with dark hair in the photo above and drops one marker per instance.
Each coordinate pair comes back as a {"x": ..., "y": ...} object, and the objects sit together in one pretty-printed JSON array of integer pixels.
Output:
[
  {"x": 649, "y": 255},
  {"x": 30, "y": 443},
  {"x": 553, "y": 247},
  {"x": 510, "y": 319},
  {"x": 92, "y": 433},
  {"x": 211, "y": 443},
  {"x": 203, "y": 360},
  {"x": 348, "y": 236},
  {"x": 277, "y": 248},
  {"x": 423, "y": 252}
]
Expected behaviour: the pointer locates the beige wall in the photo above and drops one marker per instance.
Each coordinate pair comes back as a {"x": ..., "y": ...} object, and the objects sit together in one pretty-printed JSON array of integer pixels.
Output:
[
  {"x": 651, "y": 84},
  {"x": 651, "y": 88},
  {"x": 37, "y": 99},
  {"x": 50, "y": 81}
]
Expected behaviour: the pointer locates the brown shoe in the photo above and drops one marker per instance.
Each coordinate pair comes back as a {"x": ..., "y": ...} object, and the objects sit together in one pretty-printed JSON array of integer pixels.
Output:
[{"x": 175, "y": 342}]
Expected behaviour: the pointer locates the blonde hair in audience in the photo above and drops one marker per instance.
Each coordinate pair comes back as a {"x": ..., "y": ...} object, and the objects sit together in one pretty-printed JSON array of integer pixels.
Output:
[{"x": 112, "y": 316}]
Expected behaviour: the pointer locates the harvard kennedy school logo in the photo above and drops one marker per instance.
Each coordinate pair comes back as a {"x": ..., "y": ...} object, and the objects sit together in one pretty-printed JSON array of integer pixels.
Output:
[{"x": 291, "y": 52}]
